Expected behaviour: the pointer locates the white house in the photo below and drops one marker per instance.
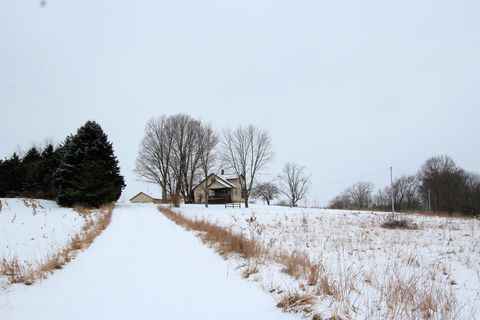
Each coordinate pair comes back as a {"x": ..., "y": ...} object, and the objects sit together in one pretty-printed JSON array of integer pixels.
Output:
[{"x": 222, "y": 188}]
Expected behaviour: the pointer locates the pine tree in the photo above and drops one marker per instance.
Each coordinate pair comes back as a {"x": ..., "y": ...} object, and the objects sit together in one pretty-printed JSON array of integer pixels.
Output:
[
  {"x": 50, "y": 163},
  {"x": 11, "y": 176},
  {"x": 89, "y": 173},
  {"x": 31, "y": 167},
  {"x": 3, "y": 172}
]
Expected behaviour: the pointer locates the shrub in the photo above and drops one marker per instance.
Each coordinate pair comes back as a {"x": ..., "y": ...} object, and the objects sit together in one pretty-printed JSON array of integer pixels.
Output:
[{"x": 399, "y": 223}]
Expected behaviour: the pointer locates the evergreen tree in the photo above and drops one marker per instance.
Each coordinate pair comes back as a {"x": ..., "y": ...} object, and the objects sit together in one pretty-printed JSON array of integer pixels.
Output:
[
  {"x": 2, "y": 178},
  {"x": 31, "y": 167},
  {"x": 49, "y": 164},
  {"x": 11, "y": 176},
  {"x": 89, "y": 172}
]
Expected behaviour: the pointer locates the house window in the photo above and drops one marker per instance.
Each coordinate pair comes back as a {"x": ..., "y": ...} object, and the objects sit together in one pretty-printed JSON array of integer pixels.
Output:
[
  {"x": 213, "y": 180},
  {"x": 244, "y": 193}
]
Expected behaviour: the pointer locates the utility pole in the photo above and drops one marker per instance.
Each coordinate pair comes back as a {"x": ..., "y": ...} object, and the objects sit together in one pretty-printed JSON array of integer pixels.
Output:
[
  {"x": 391, "y": 187},
  {"x": 429, "y": 201}
]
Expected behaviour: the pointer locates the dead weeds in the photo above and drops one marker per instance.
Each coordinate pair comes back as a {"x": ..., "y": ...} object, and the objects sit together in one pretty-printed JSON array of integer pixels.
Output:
[
  {"x": 296, "y": 302},
  {"x": 399, "y": 223},
  {"x": 225, "y": 240}
]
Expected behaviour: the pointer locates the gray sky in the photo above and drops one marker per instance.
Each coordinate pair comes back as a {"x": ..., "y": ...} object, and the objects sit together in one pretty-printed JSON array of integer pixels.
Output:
[{"x": 346, "y": 88}]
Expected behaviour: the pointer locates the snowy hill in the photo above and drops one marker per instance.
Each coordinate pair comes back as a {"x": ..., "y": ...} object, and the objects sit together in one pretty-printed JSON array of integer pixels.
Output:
[{"x": 31, "y": 230}]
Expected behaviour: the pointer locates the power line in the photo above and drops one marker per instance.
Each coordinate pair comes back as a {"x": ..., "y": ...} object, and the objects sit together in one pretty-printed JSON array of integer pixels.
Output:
[
  {"x": 402, "y": 171},
  {"x": 354, "y": 178}
]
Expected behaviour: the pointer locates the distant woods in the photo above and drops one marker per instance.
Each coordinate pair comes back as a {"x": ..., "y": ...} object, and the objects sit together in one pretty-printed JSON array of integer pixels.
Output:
[
  {"x": 83, "y": 169},
  {"x": 439, "y": 185}
]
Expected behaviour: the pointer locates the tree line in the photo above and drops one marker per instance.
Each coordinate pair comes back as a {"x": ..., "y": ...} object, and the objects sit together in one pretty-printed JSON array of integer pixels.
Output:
[
  {"x": 81, "y": 170},
  {"x": 440, "y": 185},
  {"x": 30, "y": 175},
  {"x": 177, "y": 152}
]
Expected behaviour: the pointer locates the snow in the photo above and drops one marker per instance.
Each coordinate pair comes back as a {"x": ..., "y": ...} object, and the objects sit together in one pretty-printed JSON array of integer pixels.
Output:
[
  {"x": 142, "y": 266},
  {"x": 441, "y": 258},
  {"x": 224, "y": 183},
  {"x": 31, "y": 230}
]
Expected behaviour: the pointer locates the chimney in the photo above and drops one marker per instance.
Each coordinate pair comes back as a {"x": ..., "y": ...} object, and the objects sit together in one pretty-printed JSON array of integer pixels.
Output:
[{"x": 222, "y": 172}]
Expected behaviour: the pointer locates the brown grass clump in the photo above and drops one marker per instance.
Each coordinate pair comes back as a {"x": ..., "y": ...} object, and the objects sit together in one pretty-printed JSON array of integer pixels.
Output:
[
  {"x": 396, "y": 223},
  {"x": 408, "y": 296},
  {"x": 314, "y": 272},
  {"x": 250, "y": 269},
  {"x": 82, "y": 210},
  {"x": 295, "y": 302},
  {"x": 298, "y": 265},
  {"x": 225, "y": 240},
  {"x": 1, "y": 205},
  {"x": 295, "y": 264},
  {"x": 16, "y": 272},
  {"x": 327, "y": 288}
]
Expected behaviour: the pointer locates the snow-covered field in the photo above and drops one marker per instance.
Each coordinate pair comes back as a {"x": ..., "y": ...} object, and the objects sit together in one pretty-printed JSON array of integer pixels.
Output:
[
  {"x": 32, "y": 230},
  {"x": 366, "y": 271},
  {"x": 142, "y": 266}
]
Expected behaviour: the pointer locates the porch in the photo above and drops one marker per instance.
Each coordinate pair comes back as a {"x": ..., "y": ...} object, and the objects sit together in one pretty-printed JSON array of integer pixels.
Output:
[{"x": 219, "y": 196}]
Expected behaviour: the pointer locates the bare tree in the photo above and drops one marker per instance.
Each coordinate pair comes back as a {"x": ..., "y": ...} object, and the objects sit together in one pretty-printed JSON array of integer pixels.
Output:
[
  {"x": 383, "y": 199},
  {"x": 170, "y": 155},
  {"x": 404, "y": 191},
  {"x": 265, "y": 190},
  {"x": 342, "y": 201},
  {"x": 186, "y": 155},
  {"x": 208, "y": 140},
  {"x": 155, "y": 154},
  {"x": 360, "y": 194},
  {"x": 247, "y": 150},
  {"x": 294, "y": 182},
  {"x": 471, "y": 194},
  {"x": 445, "y": 180}
]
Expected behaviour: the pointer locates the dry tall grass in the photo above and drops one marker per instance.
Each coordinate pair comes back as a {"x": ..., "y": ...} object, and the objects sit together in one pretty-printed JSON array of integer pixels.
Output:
[
  {"x": 27, "y": 274},
  {"x": 228, "y": 242},
  {"x": 407, "y": 290},
  {"x": 408, "y": 295},
  {"x": 225, "y": 240},
  {"x": 295, "y": 302},
  {"x": 15, "y": 271}
]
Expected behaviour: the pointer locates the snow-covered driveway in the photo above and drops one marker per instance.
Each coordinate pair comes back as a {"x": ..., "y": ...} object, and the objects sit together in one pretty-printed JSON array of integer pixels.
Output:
[{"x": 142, "y": 266}]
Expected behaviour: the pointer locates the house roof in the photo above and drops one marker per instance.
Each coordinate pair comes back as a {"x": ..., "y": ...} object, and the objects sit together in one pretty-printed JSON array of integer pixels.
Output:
[
  {"x": 227, "y": 177},
  {"x": 143, "y": 194},
  {"x": 223, "y": 181}
]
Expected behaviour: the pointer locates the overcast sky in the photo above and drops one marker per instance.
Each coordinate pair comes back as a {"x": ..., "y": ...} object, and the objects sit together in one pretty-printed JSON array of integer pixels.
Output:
[{"x": 346, "y": 88}]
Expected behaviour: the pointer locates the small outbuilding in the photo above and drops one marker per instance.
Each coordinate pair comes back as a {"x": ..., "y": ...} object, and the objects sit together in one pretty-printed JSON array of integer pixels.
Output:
[{"x": 142, "y": 197}]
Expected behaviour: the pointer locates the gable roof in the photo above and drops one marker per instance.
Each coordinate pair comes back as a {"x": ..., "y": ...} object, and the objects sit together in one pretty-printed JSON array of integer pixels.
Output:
[
  {"x": 228, "y": 176},
  {"x": 219, "y": 179},
  {"x": 224, "y": 183},
  {"x": 143, "y": 194}
]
